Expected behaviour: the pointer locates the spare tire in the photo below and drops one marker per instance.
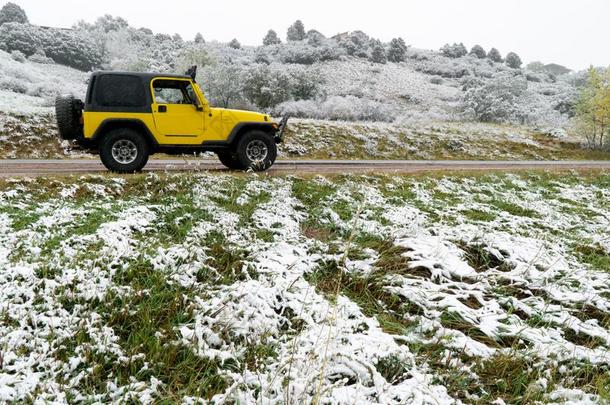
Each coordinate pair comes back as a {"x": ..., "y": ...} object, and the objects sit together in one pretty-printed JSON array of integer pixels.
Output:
[{"x": 68, "y": 112}]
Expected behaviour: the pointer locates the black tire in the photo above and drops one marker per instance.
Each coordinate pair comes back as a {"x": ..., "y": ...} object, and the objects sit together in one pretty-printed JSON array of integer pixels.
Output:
[
  {"x": 68, "y": 112},
  {"x": 256, "y": 141},
  {"x": 131, "y": 151},
  {"x": 229, "y": 160}
]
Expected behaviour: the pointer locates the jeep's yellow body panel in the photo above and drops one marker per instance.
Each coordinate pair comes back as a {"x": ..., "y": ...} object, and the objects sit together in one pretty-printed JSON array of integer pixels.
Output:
[{"x": 178, "y": 124}]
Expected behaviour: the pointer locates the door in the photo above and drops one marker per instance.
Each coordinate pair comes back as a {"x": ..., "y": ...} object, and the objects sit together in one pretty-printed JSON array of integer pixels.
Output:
[{"x": 177, "y": 118}]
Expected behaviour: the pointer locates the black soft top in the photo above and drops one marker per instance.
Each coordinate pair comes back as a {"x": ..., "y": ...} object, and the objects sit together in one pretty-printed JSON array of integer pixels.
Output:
[{"x": 111, "y": 91}]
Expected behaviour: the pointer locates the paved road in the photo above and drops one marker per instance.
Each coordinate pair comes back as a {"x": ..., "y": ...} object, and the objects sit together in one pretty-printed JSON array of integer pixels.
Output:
[{"x": 13, "y": 168}]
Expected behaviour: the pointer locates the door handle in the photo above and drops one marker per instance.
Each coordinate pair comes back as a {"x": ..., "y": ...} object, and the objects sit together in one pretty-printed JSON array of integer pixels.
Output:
[{"x": 162, "y": 108}]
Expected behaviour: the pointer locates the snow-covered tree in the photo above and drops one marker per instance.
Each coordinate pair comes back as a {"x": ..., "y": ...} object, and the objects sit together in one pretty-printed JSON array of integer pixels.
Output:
[
  {"x": 269, "y": 85},
  {"x": 11, "y": 12},
  {"x": 145, "y": 31},
  {"x": 304, "y": 54},
  {"x": 315, "y": 38},
  {"x": 378, "y": 54},
  {"x": 478, "y": 51},
  {"x": 193, "y": 54},
  {"x": 271, "y": 38},
  {"x": 535, "y": 66},
  {"x": 495, "y": 56},
  {"x": 299, "y": 52},
  {"x": 296, "y": 32},
  {"x": 223, "y": 84},
  {"x": 70, "y": 48},
  {"x": 356, "y": 44},
  {"x": 306, "y": 83},
  {"x": 20, "y": 37},
  {"x": 266, "y": 86},
  {"x": 513, "y": 60},
  {"x": 397, "y": 50},
  {"x": 18, "y": 56},
  {"x": 109, "y": 23},
  {"x": 235, "y": 44},
  {"x": 497, "y": 100},
  {"x": 454, "y": 51},
  {"x": 177, "y": 37},
  {"x": 199, "y": 38}
]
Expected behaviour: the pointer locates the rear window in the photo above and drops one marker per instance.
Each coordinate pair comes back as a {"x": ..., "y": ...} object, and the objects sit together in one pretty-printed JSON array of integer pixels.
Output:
[{"x": 119, "y": 91}]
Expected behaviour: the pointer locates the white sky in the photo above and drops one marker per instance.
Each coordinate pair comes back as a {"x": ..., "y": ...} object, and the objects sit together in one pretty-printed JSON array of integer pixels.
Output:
[{"x": 574, "y": 33}]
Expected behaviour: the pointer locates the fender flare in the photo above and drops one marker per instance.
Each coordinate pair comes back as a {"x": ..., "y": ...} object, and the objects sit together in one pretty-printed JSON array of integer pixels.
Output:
[
  {"x": 244, "y": 127},
  {"x": 133, "y": 123}
]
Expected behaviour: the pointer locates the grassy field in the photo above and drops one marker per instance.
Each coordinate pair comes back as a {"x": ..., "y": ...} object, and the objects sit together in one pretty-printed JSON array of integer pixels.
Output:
[
  {"x": 244, "y": 288},
  {"x": 34, "y": 136}
]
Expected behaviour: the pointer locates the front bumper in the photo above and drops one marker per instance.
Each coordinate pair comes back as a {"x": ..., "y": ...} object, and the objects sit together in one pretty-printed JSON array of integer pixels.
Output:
[{"x": 279, "y": 135}]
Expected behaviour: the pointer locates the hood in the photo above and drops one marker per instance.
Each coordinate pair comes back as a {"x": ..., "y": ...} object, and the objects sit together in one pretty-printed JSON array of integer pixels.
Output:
[{"x": 240, "y": 115}]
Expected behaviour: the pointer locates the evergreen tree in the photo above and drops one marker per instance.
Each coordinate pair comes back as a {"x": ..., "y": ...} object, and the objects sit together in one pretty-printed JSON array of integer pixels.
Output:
[
  {"x": 397, "y": 51},
  {"x": 495, "y": 56},
  {"x": 235, "y": 44},
  {"x": 513, "y": 60},
  {"x": 478, "y": 51},
  {"x": 454, "y": 51},
  {"x": 11, "y": 12},
  {"x": 378, "y": 55},
  {"x": 271, "y": 38},
  {"x": 199, "y": 38},
  {"x": 296, "y": 32}
]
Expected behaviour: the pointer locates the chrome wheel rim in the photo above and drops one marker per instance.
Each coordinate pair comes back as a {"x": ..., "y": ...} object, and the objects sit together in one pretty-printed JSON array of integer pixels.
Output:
[
  {"x": 257, "y": 151},
  {"x": 124, "y": 151}
]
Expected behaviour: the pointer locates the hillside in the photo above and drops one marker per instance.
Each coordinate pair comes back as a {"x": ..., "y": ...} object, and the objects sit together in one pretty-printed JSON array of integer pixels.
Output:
[
  {"x": 369, "y": 289},
  {"x": 27, "y": 129},
  {"x": 350, "y": 77}
]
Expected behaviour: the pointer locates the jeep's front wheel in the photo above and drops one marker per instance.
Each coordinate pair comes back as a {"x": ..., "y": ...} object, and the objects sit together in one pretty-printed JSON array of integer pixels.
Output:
[
  {"x": 124, "y": 151},
  {"x": 229, "y": 160},
  {"x": 256, "y": 150}
]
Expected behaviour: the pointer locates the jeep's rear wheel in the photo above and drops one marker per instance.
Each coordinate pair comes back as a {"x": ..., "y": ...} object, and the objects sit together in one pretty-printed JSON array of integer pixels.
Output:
[
  {"x": 124, "y": 151},
  {"x": 256, "y": 150},
  {"x": 229, "y": 160}
]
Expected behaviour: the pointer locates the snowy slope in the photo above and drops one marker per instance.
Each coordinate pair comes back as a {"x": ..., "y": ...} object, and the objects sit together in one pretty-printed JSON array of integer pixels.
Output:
[{"x": 28, "y": 87}]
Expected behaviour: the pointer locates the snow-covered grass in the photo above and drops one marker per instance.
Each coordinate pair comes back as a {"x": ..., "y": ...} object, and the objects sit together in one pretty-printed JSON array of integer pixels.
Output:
[
  {"x": 428, "y": 140},
  {"x": 347, "y": 289},
  {"x": 32, "y": 136}
]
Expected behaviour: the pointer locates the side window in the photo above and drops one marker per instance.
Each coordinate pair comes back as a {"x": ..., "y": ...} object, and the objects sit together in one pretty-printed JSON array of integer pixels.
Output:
[
  {"x": 173, "y": 92},
  {"x": 113, "y": 90}
]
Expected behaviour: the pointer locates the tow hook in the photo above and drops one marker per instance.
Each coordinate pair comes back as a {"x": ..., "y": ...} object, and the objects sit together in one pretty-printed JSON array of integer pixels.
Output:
[{"x": 279, "y": 135}]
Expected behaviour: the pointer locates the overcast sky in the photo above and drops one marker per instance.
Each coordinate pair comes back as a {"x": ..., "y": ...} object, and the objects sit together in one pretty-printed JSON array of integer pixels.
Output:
[{"x": 570, "y": 32}]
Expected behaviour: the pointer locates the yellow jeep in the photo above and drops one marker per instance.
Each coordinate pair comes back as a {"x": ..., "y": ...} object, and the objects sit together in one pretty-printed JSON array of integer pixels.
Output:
[{"x": 128, "y": 116}]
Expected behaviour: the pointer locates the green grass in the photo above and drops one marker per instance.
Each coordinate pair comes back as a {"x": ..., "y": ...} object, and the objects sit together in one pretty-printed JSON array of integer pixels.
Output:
[
  {"x": 593, "y": 255},
  {"x": 478, "y": 215},
  {"x": 145, "y": 322},
  {"x": 22, "y": 218},
  {"x": 514, "y": 209},
  {"x": 369, "y": 291}
]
